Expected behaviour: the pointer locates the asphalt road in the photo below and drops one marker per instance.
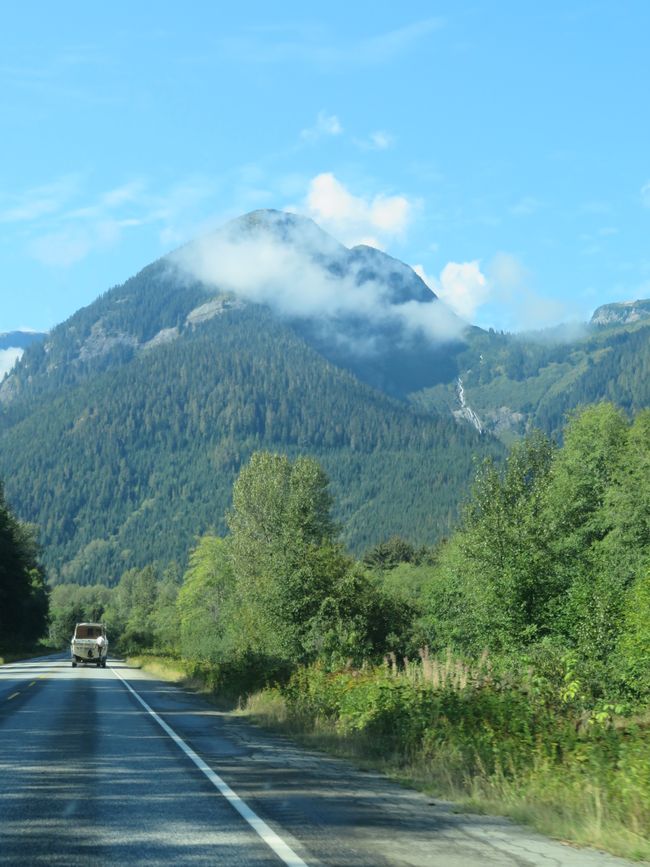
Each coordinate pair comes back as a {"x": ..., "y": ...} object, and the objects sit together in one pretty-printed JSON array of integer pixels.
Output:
[{"x": 93, "y": 773}]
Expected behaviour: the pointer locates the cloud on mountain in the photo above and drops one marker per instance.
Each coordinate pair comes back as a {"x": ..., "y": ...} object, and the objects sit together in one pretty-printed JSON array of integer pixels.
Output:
[
  {"x": 8, "y": 357},
  {"x": 472, "y": 293},
  {"x": 303, "y": 272},
  {"x": 461, "y": 285}
]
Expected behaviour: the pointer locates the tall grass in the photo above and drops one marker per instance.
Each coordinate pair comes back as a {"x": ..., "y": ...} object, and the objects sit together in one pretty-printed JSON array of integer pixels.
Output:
[{"x": 496, "y": 740}]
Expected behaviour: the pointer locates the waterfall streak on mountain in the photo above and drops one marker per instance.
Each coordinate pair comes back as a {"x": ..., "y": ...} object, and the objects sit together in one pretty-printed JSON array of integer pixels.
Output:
[{"x": 466, "y": 410}]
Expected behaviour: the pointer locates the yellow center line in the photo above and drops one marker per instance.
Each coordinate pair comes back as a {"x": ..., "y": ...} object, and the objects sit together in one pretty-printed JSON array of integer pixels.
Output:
[
  {"x": 13, "y": 695},
  {"x": 33, "y": 683}
]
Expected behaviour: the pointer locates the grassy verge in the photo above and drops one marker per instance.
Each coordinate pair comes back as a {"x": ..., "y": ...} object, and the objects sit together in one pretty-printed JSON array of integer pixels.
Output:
[
  {"x": 468, "y": 743},
  {"x": 165, "y": 668},
  {"x": 590, "y": 788},
  {"x": 175, "y": 670},
  {"x": 29, "y": 653}
]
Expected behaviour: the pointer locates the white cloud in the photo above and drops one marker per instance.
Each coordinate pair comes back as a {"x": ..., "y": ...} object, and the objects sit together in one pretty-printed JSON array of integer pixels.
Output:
[
  {"x": 312, "y": 47},
  {"x": 351, "y": 217},
  {"x": 285, "y": 270},
  {"x": 501, "y": 295},
  {"x": 326, "y": 125},
  {"x": 463, "y": 287},
  {"x": 376, "y": 141},
  {"x": 38, "y": 202},
  {"x": 526, "y": 206},
  {"x": 8, "y": 357},
  {"x": 370, "y": 241},
  {"x": 645, "y": 195}
]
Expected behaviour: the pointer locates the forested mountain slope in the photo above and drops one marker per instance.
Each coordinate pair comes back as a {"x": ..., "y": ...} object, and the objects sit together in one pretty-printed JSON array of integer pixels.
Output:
[
  {"x": 122, "y": 431},
  {"x": 127, "y": 465},
  {"x": 517, "y": 382}
]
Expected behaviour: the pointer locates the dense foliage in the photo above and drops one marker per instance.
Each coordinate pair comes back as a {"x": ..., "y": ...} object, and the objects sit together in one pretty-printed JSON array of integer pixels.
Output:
[
  {"x": 157, "y": 442},
  {"x": 511, "y": 660},
  {"x": 551, "y": 560},
  {"x": 23, "y": 593},
  {"x": 519, "y": 382}
]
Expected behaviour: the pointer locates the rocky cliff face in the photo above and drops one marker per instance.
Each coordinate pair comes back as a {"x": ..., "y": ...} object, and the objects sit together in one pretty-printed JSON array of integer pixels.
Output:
[{"x": 622, "y": 313}]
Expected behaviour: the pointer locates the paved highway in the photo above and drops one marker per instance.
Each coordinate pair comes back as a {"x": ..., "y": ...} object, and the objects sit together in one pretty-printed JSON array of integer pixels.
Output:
[{"x": 111, "y": 766}]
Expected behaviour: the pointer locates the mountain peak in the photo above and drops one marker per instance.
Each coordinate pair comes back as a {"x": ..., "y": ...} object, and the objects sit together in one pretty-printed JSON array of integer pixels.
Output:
[
  {"x": 284, "y": 227},
  {"x": 621, "y": 313},
  {"x": 405, "y": 285}
]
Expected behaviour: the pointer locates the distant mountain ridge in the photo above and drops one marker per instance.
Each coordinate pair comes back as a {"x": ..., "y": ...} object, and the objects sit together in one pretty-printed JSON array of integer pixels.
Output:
[
  {"x": 20, "y": 339},
  {"x": 513, "y": 383},
  {"x": 621, "y": 313}
]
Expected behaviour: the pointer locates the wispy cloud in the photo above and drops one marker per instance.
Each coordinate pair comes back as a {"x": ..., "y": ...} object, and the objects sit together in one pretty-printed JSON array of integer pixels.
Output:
[
  {"x": 325, "y": 125},
  {"x": 37, "y": 202},
  {"x": 523, "y": 306},
  {"x": 596, "y": 207},
  {"x": 316, "y": 48},
  {"x": 61, "y": 224},
  {"x": 526, "y": 206},
  {"x": 645, "y": 195},
  {"x": 376, "y": 141},
  {"x": 8, "y": 357},
  {"x": 503, "y": 290}
]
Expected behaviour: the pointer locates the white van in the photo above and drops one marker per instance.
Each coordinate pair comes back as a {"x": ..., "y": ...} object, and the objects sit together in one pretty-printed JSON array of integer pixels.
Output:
[{"x": 89, "y": 644}]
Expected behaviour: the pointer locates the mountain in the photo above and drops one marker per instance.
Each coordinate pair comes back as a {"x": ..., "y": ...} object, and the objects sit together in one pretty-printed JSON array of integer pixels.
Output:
[
  {"x": 12, "y": 346},
  {"x": 122, "y": 432},
  {"x": 512, "y": 383},
  {"x": 622, "y": 313},
  {"x": 20, "y": 339},
  {"x": 359, "y": 308}
]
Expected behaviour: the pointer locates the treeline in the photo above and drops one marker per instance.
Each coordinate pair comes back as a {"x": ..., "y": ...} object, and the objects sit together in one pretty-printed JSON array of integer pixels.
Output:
[
  {"x": 545, "y": 376},
  {"x": 552, "y": 560},
  {"x": 23, "y": 592},
  {"x": 276, "y": 592}
]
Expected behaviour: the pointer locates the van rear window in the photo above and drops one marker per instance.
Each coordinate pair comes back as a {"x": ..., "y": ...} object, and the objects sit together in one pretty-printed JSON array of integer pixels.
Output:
[{"x": 88, "y": 631}]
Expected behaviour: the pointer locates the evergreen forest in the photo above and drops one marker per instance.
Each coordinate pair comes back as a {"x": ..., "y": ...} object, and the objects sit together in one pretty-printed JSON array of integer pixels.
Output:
[
  {"x": 511, "y": 660},
  {"x": 126, "y": 465}
]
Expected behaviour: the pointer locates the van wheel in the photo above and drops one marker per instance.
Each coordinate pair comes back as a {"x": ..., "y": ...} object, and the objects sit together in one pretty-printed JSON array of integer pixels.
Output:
[{"x": 74, "y": 664}]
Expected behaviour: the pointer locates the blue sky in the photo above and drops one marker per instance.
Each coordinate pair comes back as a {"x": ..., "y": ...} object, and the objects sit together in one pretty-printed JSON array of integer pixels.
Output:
[{"x": 502, "y": 147}]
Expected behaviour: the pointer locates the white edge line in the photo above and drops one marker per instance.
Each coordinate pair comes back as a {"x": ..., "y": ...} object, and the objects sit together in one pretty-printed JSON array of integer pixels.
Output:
[{"x": 267, "y": 834}]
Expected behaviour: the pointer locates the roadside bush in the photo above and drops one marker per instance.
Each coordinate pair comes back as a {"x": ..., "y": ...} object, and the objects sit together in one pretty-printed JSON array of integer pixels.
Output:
[{"x": 511, "y": 736}]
